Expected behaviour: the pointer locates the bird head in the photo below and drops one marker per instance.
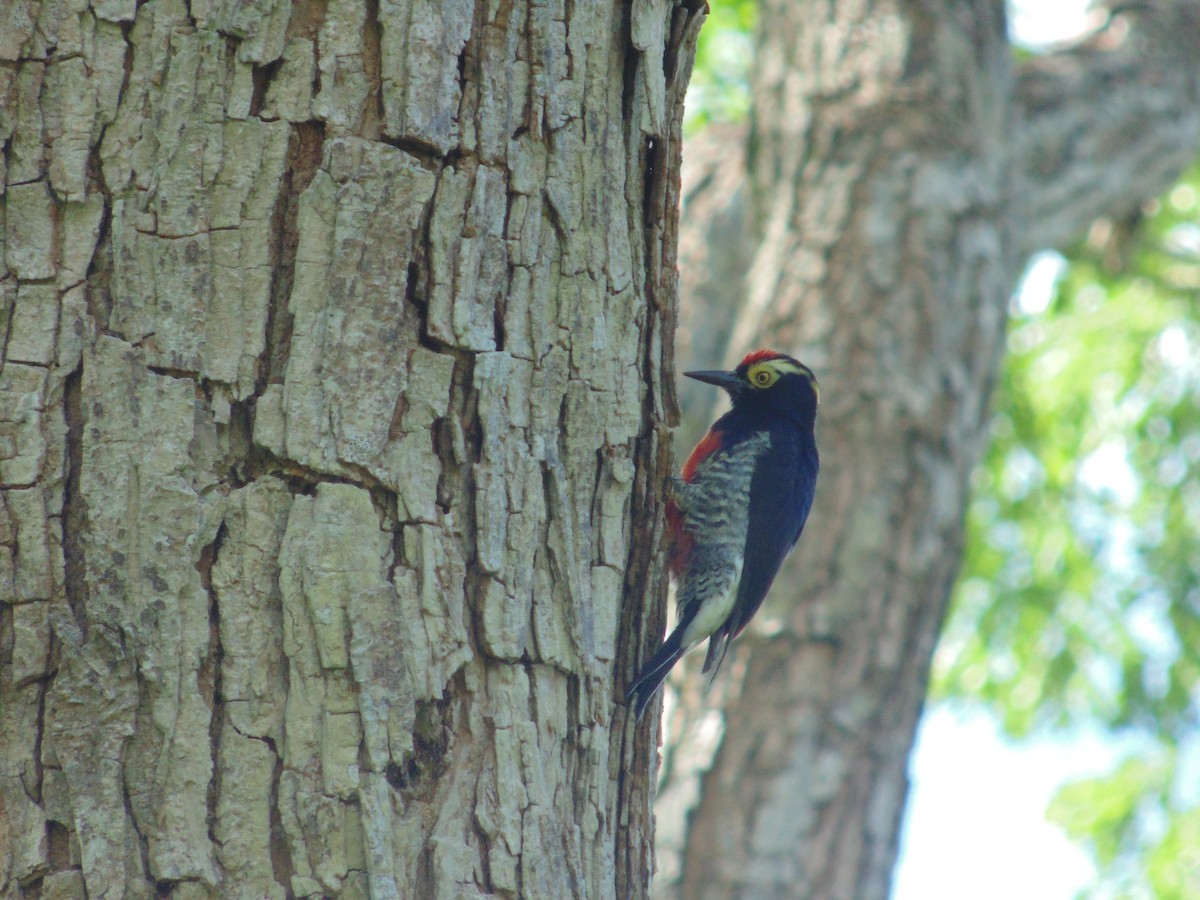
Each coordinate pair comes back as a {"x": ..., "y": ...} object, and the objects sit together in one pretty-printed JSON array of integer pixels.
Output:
[{"x": 770, "y": 382}]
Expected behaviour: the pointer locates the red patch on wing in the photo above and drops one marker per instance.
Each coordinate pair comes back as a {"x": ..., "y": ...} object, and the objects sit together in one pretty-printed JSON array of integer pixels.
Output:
[
  {"x": 709, "y": 444},
  {"x": 681, "y": 539},
  {"x": 761, "y": 356}
]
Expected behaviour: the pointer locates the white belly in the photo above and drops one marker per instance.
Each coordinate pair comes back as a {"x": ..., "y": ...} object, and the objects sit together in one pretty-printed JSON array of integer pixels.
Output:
[{"x": 713, "y": 611}]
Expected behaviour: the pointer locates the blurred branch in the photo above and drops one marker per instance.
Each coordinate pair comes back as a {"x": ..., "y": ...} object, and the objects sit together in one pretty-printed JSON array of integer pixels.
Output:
[{"x": 1109, "y": 122}]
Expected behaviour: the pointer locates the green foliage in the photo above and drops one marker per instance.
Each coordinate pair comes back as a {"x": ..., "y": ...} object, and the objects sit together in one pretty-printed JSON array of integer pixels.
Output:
[
  {"x": 1102, "y": 811},
  {"x": 1174, "y": 865},
  {"x": 1145, "y": 840},
  {"x": 1080, "y": 595},
  {"x": 719, "y": 90}
]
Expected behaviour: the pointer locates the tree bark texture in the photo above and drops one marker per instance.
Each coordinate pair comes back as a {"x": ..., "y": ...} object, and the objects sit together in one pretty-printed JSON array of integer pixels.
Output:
[
  {"x": 337, "y": 344},
  {"x": 899, "y": 169}
]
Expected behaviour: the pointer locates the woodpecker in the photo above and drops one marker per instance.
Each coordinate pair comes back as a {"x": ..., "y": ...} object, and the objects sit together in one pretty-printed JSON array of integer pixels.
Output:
[{"x": 737, "y": 509}]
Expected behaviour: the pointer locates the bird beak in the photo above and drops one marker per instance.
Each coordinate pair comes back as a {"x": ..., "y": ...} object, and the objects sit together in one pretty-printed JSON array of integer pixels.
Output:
[{"x": 725, "y": 380}]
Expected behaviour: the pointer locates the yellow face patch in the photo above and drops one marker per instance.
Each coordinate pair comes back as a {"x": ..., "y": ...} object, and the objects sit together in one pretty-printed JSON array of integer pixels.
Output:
[
  {"x": 763, "y": 375},
  {"x": 766, "y": 373}
]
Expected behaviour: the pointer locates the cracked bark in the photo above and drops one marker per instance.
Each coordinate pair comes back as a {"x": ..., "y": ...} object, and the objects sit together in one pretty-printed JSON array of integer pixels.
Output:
[
  {"x": 333, "y": 411},
  {"x": 899, "y": 170}
]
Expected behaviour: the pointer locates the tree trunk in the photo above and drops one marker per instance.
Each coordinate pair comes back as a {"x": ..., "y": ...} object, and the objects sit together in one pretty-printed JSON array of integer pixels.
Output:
[
  {"x": 336, "y": 377},
  {"x": 898, "y": 171}
]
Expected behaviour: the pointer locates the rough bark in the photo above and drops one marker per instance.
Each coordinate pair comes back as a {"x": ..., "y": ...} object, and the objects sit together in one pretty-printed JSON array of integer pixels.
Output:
[
  {"x": 899, "y": 169},
  {"x": 337, "y": 336}
]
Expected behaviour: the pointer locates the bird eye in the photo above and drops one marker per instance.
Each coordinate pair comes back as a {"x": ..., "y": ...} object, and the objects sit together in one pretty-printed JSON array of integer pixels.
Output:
[{"x": 763, "y": 377}]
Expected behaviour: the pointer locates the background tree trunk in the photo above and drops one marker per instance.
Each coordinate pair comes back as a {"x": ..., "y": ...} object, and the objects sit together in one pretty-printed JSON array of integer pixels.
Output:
[
  {"x": 336, "y": 376},
  {"x": 898, "y": 171}
]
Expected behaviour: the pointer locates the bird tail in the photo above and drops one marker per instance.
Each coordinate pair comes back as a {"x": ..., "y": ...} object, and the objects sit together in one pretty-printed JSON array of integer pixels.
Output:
[
  {"x": 718, "y": 644},
  {"x": 646, "y": 685}
]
